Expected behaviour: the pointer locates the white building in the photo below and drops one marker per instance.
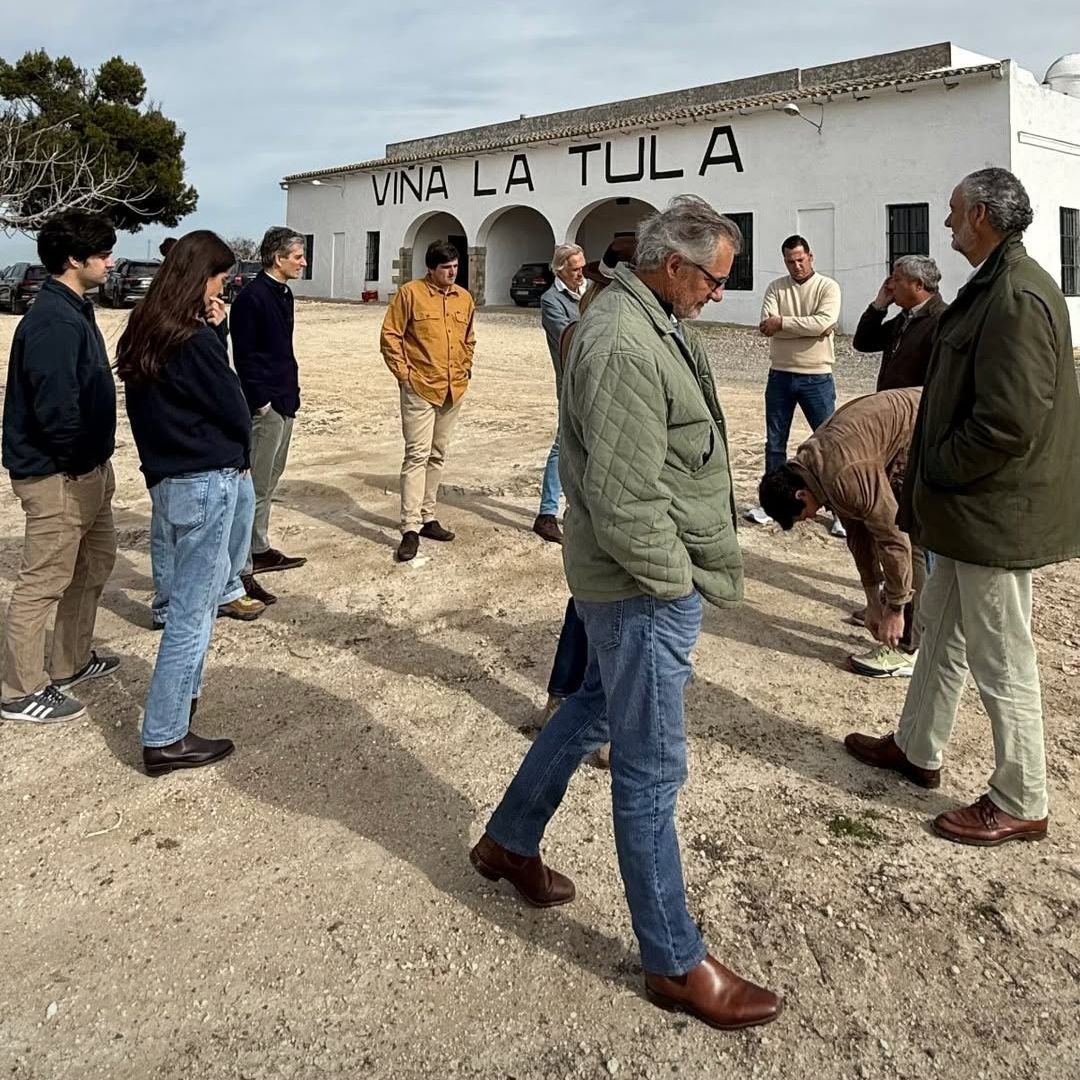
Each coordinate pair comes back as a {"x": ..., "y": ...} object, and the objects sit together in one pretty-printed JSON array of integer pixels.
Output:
[{"x": 860, "y": 157}]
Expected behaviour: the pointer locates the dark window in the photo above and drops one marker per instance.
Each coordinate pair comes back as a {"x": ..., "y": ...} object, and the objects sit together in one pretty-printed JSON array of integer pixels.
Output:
[
  {"x": 309, "y": 254},
  {"x": 1070, "y": 251},
  {"x": 371, "y": 270},
  {"x": 909, "y": 231},
  {"x": 36, "y": 273},
  {"x": 741, "y": 278},
  {"x": 142, "y": 269}
]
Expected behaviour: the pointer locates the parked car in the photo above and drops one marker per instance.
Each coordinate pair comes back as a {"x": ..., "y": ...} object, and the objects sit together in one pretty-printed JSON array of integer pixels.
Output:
[
  {"x": 19, "y": 285},
  {"x": 530, "y": 282},
  {"x": 243, "y": 273},
  {"x": 128, "y": 281}
]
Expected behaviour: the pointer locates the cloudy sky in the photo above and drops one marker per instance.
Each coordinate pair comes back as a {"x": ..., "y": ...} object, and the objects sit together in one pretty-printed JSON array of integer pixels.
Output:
[{"x": 264, "y": 88}]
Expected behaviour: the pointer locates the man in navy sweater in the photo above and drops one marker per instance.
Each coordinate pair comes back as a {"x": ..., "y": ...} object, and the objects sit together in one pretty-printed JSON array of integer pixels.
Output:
[
  {"x": 261, "y": 325},
  {"x": 59, "y": 435}
]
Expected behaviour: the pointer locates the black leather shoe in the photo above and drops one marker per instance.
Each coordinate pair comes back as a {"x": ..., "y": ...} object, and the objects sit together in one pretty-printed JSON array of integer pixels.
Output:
[
  {"x": 256, "y": 591},
  {"x": 190, "y": 752},
  {"x": 409, "y": 546},
  {"x": 432, "y": 530}
]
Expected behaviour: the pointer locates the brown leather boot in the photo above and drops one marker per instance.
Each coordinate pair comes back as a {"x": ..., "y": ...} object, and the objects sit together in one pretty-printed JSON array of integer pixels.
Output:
[
  {"x": 256, "y": 591},
  {"x": 547, "y": 528},
  {"x": 985, "y": 824},
  {"x": 714, "y": 994},
  {"x": 883, "y": 753},
  {"x": 536, "y": 883}
]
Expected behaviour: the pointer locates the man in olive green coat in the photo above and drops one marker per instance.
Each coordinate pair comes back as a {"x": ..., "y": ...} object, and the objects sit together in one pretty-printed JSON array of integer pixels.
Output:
[
  {"x": 994, "y": 468},
  {"x": 650, "y": 531}
]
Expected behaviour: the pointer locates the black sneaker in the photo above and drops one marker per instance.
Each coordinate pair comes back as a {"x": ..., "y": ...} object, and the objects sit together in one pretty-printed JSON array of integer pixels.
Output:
[
  {"x": 432, "y": 530},
  {"x": 48, "y": 706},
  {"x": 409, "y": 546},
  {"x": 94, "y": 668}
]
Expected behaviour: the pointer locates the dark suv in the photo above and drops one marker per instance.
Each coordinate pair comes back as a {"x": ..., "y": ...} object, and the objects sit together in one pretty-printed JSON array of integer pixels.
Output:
[
  {"x": 128, "y": 281},
  {"x": 19, "y": 285},
  {"x": 243, "y": 273},
  {"x": 530, "y": 282}
]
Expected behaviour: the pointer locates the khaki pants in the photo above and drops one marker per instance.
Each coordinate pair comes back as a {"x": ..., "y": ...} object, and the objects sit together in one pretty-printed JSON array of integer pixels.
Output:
[
  {"x": 271, "y": 434},
  {"x": 68, "y": 553},
  {"x": 427, "y": 429},
  {"x": 979, "y": 618}
]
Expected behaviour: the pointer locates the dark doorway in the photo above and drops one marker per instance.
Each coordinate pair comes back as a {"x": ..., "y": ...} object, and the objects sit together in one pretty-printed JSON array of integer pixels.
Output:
[{"x": 463, "y": 259}]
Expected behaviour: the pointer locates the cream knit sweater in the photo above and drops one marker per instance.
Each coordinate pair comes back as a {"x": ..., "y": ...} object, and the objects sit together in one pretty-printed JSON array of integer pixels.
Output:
[{"x": 808, "y": 312}]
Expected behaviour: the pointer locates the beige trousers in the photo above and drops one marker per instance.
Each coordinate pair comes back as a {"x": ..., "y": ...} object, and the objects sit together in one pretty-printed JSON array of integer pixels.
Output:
[
  {"x": 68, "y": 553},
  {"x": 427, "y": 429},
  {"x": 978, "y": 618}
]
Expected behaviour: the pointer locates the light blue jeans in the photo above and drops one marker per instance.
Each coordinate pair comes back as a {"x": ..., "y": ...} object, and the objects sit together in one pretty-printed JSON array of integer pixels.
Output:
[
  {"x": 200, "y": 521},
  {"x": 551, "y": 489},
  {"x": 632, "y": 697},
  {"x": 163, "y": 553}
]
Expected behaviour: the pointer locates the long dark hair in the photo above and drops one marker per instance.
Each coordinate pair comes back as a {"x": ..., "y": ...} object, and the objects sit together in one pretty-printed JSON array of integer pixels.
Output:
[{"x": 174, "y": 306}]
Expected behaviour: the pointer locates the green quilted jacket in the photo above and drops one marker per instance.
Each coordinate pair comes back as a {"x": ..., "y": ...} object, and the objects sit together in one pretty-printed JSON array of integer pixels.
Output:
[{"x": 643, "y": 457}]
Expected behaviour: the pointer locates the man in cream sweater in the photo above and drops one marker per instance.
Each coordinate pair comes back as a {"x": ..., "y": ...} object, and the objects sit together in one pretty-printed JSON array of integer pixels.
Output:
[{"x": 799, "y": 316}]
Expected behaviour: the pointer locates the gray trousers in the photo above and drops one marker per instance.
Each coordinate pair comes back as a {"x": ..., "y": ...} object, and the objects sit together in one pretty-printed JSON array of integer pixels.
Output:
[{"x": 270, "y": 436}]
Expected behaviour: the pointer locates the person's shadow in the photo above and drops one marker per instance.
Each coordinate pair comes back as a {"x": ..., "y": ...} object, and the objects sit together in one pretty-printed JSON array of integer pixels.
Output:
[{"x": 335, "y": 506}]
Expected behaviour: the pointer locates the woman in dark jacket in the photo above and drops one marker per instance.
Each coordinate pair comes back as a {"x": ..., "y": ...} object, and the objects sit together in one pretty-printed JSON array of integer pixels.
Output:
[{"x": 192, "y": 429}]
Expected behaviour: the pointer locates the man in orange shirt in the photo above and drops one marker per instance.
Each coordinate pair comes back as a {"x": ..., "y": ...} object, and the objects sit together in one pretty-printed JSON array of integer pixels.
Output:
[{"x": 427, "y": 342}]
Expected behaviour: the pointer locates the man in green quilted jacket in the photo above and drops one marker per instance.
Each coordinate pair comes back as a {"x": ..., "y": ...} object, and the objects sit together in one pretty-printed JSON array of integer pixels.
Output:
[{"x": 649, "y": 533}]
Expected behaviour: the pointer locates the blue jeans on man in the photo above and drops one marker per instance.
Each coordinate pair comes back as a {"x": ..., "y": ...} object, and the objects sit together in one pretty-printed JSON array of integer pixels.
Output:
[
  {"x": 204, "y": 521},
  {"x": 632, "y": 697},
  {"x": 814, "y": 394},
  {"x": 551, "y": 488},
  {"x": 571, "y": 655}
]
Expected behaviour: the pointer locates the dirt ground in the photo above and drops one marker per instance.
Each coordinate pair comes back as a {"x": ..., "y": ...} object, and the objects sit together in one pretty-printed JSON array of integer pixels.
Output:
[{"x": 307, "y": 909}]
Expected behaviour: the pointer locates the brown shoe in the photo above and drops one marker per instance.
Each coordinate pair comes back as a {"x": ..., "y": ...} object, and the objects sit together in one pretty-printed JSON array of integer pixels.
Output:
[
  {"x": 243, "y": 608},
  {"x": 256, "y": 591},
  {"x": 715, "y": 995},
  {"x": 985, "y": 824},
  {"x": 550, "y": 709},
  {"x": 600, "y": 759},
  {"x": 547, "y": 528},
  {"x": 266, "y": 562},
  {"x": 432, "y": 530},
  {"x": 536, "y": 883},
  {"x": 883, "y": 753}
]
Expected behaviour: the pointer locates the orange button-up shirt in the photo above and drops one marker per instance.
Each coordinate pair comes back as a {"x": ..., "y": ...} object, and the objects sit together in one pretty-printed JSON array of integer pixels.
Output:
[{"x": 428, "y": 341}]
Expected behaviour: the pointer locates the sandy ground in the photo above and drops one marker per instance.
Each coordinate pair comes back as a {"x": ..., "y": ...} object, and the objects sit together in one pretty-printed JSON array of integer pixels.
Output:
[{"x": 306, "y": 909}]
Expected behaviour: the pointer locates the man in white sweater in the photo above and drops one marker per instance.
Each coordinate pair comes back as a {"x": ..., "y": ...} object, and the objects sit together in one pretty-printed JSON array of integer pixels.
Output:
[{"x": 799, "y": 316}]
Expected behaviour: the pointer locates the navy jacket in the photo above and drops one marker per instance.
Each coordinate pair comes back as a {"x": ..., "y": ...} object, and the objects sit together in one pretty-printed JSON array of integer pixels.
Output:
[
  {"x": 194, "y": 417},
  {"x": 261, "y": 324},
  {"x": 60, "y": 405}
]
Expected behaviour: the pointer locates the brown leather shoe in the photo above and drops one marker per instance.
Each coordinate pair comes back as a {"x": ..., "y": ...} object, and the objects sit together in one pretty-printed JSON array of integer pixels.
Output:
[
  {"x": 271, "y": 560},
  {"x": 883, "y": 753},
  {"x": 536, "y": 883},
  {"x": 547, "y": 528},
  {"x": 244, "y": 608},
  {"x": 985, "y": 824},
  {"x": 256, "y": 591},
  {"x": 432, "y": 530},
  {"x": 715, "y": 995}
]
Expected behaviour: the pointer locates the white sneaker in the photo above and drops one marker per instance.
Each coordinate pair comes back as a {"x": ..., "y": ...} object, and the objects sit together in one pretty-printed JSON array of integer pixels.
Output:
[{"x": 758, "y": 516}]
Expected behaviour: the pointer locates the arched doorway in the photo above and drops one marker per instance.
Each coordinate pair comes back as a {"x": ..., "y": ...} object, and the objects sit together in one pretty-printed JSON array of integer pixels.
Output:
[
  {"x": 438, "y": 226},
  {"x": 510, "y": 238},
  {"x": 597, "y": 224}
]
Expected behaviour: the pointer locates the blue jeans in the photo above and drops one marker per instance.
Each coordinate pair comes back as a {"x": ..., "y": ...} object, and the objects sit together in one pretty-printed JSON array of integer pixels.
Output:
[
  {"x": 814, "y": 394},
  {"x": 199, "y": 512},
  {"x": 551, "y": 489},
  {"x": 571, "y": 655},
  {"x": 632, "y": 697},
  {"x": 163, "y": 553}
]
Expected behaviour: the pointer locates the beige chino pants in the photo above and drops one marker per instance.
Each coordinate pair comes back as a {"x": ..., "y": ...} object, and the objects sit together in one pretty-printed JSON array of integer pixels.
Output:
[
  {"x": 68, "y": 553},
  {"x": 978, "y": 618},
  {"x": 427, "y": 429}
]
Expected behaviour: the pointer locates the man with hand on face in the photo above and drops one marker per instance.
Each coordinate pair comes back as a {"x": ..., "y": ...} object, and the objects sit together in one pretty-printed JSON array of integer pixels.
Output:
[
  {"x": 558, "y": 310},
  {"x": 650, "y": 530},
  {"x": 428, "y": 343},
  {"x": 799, "y": 316}
]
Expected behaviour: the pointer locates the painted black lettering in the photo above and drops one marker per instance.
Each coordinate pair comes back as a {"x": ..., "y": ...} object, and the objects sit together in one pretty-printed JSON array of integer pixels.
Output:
[
  {"x": 440, "y": 189},
  {"x": 524, "y": 178},
  {"x": 380, "y": 200},
  {"x": 730, "y": 158},
  {"x": 407, "y": 182},
  {"x": 476, "y": 188},
  {"x": 625, "y": 178},
  {"x": 584, "y": 150},
  {"x": 397, "y": 188},
  {"x": 654, "y": 172}
]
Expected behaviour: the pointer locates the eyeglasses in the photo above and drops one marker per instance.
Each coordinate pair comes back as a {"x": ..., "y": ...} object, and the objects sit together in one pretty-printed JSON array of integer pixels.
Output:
[{"x": 717, "y": 283}]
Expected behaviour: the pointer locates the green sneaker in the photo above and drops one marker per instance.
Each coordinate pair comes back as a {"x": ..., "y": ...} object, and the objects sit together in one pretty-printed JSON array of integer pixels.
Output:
[{"x": 884, "y": 662}]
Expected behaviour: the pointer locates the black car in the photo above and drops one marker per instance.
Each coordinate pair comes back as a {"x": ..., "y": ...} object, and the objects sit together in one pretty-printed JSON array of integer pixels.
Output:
[
  {"x": 128, "y": 281},
  {"x": 530, "y": 282},
  {"x": 243, "y": 273},
  {"x": 19, "y": 285}
]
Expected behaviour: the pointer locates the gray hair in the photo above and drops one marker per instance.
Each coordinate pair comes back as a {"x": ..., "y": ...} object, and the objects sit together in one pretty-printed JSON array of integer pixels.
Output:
[
  {"x": 689, "y": 227},
  {"x": 563, "y": 254},
  {"x": 1007, "y": 204},
  {"x": 279, "y": 240},
  {"x": 919, "y": 268}
]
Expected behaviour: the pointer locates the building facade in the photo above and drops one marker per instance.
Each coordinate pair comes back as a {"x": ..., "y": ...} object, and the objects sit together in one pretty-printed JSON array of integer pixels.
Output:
[{"x": 859, "y": 157}]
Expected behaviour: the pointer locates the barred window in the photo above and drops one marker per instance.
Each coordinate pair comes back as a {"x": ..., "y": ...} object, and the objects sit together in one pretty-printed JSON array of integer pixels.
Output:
[
  {"x": 1070, "y": 251},
  {"x": 309, "y": 254},
  {"x": 909, "y": 231},
  {"x": 371, "y": 264},
  {"x": 741, "y": 278}
]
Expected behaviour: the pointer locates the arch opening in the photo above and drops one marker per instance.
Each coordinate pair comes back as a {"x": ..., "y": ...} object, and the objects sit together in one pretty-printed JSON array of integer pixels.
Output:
[
  {"x": 438, "y": 226},
  {"x": 513, "y": 238}
]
